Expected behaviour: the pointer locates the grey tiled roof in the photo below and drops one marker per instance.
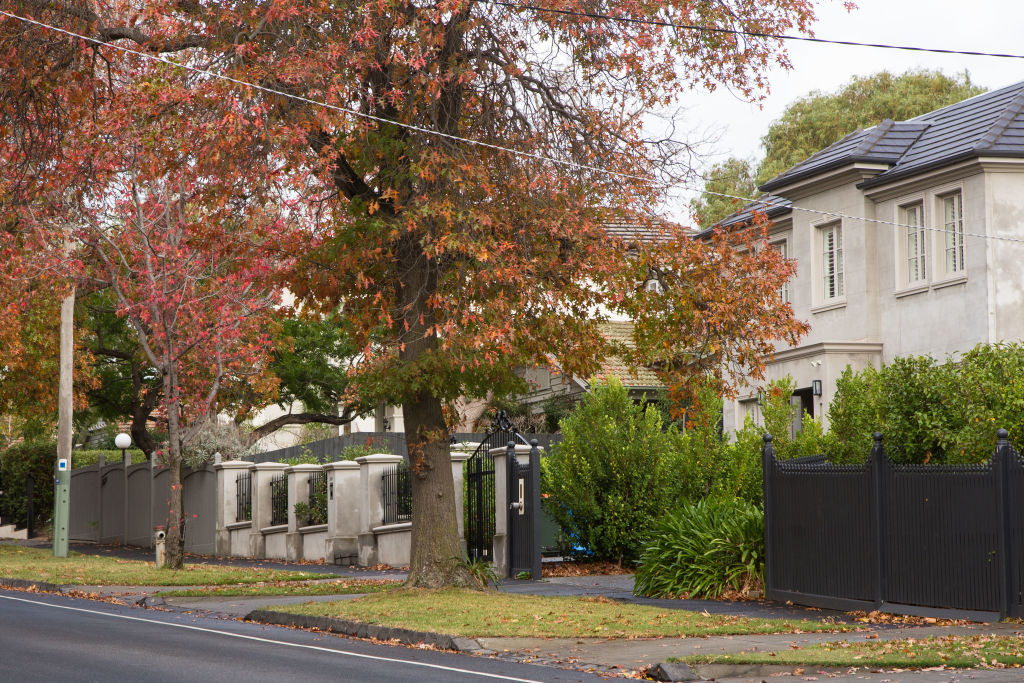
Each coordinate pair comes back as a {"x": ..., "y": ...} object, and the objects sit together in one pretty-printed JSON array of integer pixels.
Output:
[
  {"x": 991, "y": 124},
  {"x": 772, "y": 206}
]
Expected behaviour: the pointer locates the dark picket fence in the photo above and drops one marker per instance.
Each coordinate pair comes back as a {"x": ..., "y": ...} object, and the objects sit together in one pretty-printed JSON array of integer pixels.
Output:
[{"x": 896, "y": 537}]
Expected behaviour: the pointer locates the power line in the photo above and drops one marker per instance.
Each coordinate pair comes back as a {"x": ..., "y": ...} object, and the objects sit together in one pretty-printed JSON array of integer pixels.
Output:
[
  {"x": 420, "y": 129},
  {"x": 753, "y": 34}
]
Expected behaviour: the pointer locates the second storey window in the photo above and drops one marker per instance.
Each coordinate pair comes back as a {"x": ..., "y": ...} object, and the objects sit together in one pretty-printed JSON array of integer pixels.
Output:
[
  {"x": 832, "y": 261},
  {"x": 913, "y": 216},
  {"x": 953, "y": 225},
  {"x": 781, "y": 248}
]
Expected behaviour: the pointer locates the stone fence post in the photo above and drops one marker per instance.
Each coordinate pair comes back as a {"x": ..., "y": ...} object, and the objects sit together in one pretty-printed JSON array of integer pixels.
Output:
[
  {"x": 262, "y": 473},
  {"x": 227, "y": 500},
  {"x": 460, "y": 454},
  {"x": 371, "y": 506},
  {"x": 298, "y": 492},
  {"x": 343, "y": 512}
]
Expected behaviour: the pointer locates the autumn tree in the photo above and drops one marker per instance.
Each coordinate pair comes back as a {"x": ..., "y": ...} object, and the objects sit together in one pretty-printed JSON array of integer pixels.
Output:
[
  {"x": 454, "y": 259},
  {"x": 819, "y": 119},
  {"x": 197, "y": 294}
]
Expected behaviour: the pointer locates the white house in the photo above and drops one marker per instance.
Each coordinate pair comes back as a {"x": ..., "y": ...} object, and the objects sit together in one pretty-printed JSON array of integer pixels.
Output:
[{"x": 908, "y": 238}]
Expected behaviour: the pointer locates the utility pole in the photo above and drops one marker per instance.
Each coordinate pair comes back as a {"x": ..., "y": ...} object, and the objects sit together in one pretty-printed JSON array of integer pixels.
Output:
[{"x": 62, "y": 481}]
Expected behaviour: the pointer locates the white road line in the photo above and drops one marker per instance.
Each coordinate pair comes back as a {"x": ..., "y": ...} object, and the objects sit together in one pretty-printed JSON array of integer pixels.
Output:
[{"x": 275, "y": 642}]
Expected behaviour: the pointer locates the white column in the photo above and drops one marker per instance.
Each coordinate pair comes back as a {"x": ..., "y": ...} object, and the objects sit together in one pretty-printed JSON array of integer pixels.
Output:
[{"x": 460, "y": 454}]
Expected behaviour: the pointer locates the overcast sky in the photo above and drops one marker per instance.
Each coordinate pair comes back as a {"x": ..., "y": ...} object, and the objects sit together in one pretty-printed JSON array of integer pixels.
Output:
[{"x": 978, "y": 25}]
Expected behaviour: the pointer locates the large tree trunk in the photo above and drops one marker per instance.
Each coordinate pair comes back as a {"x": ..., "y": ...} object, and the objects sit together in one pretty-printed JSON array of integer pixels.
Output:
[
  {"x": 175, "y": 547},
  {"x": 436, "y": 558}
]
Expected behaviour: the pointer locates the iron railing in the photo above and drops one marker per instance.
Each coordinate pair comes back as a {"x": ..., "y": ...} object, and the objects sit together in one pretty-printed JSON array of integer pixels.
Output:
[
  {"x": 243, "y": 497},
  {"x": 317, "y": 498},
  {"x": 396, "y": 489},
  {"x": 279, "y": 500}
]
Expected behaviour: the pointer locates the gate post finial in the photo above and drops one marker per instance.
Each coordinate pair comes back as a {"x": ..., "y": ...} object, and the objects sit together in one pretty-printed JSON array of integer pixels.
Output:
[{"x": 877, "y": 448}]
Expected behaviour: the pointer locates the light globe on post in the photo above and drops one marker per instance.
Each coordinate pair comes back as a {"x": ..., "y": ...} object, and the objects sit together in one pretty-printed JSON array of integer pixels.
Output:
[{"x": 123, "y": 441}]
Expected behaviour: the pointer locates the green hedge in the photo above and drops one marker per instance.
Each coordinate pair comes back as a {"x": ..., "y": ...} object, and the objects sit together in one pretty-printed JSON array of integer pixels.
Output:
[
  {"x": 704, "y": 549},
  {"x": 16, "y": 462},
  {"x": 87, "y": 458},
  {"x": 39, "y": 458}
]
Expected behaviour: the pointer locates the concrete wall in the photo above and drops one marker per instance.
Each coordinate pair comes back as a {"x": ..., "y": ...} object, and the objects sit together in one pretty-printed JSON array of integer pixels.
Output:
[
  {"x": 98, "y": 505},
  {"x": 355, "y": 532}
]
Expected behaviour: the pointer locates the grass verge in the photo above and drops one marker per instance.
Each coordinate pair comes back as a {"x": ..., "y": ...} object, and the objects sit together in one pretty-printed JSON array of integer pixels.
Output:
[
  {"x": 37, "y": 564},
  {"x": 338, "y": 587},
  {"x": 957, "y": 652},
  {"x": 474, "y": 614}
]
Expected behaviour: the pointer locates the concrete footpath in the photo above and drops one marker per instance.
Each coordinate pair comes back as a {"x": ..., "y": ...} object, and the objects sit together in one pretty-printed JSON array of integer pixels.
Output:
[{"x": 608, "y": 656}]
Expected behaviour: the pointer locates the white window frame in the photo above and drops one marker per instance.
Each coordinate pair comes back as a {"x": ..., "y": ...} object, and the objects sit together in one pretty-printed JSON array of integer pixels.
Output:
[
  {"x": 951, "y": 247},
  {"x": 832, "y": 271},
  {"x": 782, "y": 246},
  {"x": 913, "y": 250}
]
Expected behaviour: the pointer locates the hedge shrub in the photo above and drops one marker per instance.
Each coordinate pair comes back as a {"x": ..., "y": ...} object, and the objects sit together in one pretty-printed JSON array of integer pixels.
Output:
[
  {"x": 16, "y": 462},
  {"x": 703, "y": 549},
  {"x": 613, "y": 473}
]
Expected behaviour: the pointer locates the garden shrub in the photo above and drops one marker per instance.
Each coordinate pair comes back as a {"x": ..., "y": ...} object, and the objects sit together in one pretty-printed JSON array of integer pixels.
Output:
[
  {"x": 613, "y": 473},
  {"x": 704, "y": 549},
  {"x": 16, "y": 462},
  {"x": 710, "y": 464},
  {"x": 931, "y": 412}
]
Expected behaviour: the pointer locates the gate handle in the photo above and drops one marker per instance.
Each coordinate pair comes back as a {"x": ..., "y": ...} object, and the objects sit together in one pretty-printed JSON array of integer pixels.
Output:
[{"x": 515, "y": 505}]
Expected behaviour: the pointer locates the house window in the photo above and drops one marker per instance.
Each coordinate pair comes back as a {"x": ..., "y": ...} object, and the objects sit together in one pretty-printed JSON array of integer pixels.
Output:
[
  {"x": 781, "y": 248},
  {"x": 953, "y": 225},
  {"x": 751, "y": 407},
  {"x": 832, "y": 260},
  {"x": 915, "y": 233}
]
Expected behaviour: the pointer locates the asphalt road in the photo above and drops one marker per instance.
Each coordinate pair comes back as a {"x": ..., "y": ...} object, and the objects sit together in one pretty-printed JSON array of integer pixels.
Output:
[{"x": 45, "y": 637}]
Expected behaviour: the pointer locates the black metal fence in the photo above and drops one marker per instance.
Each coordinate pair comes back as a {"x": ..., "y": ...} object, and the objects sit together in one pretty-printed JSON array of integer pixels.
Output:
[
  {"x": 896, "y": 537},
  {"x": 243, "y": 497},
  {"x": 279, "y": 500},
  {"x": 317, "y": 498},
  {"x": 396, "y": 490}
]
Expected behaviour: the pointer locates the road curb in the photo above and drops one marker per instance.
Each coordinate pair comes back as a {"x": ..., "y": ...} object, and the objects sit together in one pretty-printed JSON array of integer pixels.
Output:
[
  {"x": 344, "y": 627},
  {"x": 27, "y": 583}
]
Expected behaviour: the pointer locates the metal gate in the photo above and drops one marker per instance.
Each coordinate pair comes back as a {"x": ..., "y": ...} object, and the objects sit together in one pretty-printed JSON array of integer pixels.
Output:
[{"x": 479, "y": 477}]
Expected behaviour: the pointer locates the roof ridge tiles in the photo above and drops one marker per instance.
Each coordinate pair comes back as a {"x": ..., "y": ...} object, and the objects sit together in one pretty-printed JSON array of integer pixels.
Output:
[
  {"x": 1012, "y": 110},
  {"x": 872, "y": 136}
]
